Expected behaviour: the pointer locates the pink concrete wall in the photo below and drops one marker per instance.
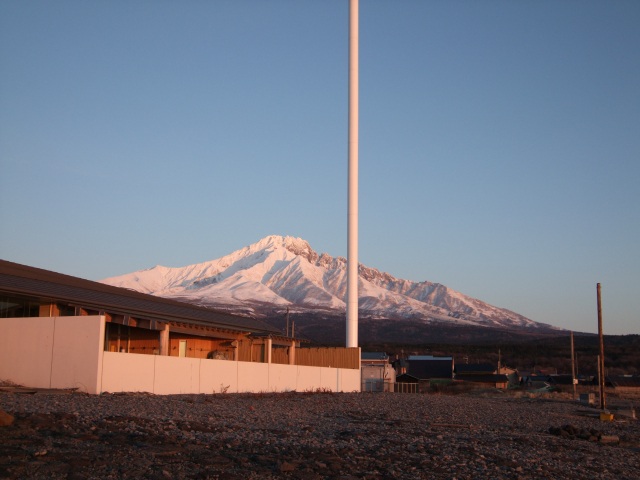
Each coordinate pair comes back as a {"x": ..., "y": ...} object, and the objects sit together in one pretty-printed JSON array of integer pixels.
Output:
[
  {"x": 52, "y": 352},
  {"x": 283, "y": 378},
  {"x": 26, "y": 346},
  {"x": 68, "y": 352},
  {"x": 77, "y": 353},
  {"x": 219, "y": 376},
  {"x": 176, "y": 375},
  {"x": 127, "y": 372},
  {"x": 253, "y": 377}
]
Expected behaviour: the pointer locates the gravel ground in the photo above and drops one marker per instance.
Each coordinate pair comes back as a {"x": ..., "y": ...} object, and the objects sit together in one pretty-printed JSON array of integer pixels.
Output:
[{"x": 312, "y": 436}]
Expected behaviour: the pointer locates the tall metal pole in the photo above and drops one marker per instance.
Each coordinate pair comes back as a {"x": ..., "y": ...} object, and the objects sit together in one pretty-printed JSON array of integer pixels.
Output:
[
  {"x": 352, "y": 229},
  {"x": 603, "y": 404}
]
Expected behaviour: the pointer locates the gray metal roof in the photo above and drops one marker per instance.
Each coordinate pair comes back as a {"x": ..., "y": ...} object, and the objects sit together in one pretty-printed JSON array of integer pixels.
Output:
[
  {"x": 35, "y": 282},
  {"x": 624, "y": 381},
  {"x": 374, "y": 356},
  {"x": 427, "y": 357}
]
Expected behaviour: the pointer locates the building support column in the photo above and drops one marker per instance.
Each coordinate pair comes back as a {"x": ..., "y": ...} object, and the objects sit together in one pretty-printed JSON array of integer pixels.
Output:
[
  {"x": 292, "y": 353},
  {"x": 164, "y": 340},
  {"x": 49, "y": 310},
  {"x": 268, "y": 347}
]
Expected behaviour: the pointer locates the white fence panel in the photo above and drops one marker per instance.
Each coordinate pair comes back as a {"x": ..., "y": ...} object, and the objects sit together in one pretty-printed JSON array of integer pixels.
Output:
[
  {"x": 176, "y": 375},
  {"x": 127, "y": 372},
  {"x": 218, "y": 376},
  {"x": 282, "y": 378},
  {"x": 253, "y": 377}
]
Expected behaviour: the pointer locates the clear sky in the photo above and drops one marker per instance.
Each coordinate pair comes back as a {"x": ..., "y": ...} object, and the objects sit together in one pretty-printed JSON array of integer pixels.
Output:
[{"x": 499, "y": 141}]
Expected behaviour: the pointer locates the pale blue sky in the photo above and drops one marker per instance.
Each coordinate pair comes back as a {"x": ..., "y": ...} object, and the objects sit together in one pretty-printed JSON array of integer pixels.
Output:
[{"x": 499, "y": 141}]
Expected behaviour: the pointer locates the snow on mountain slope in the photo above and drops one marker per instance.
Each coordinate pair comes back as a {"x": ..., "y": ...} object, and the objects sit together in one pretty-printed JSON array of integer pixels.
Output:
[{"x": 286, "y": 272}]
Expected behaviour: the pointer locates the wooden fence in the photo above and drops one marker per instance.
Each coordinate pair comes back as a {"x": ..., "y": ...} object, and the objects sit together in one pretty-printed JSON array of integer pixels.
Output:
[
  {"x": 338, "y": 357},
  {"x": 280, "y": 355},
  {"x": 406, "y": 388}
]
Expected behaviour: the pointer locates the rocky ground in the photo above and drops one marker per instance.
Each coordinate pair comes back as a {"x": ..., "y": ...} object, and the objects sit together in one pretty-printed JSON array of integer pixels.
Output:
[{"x": 311, "y": 436}]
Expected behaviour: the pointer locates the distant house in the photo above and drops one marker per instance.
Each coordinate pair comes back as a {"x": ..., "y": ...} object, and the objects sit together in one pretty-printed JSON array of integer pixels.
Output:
[
  {"x": 536, "y": 382},
  {"x": 405, "y": 383},
  {"x": 481, "y": 374},
  {"x": 625, "y": 384},
  {"x": 374, "y": 358},
  {"x": 561, "y": 379},
  {"x": 422, "y": 371},
  {"x": 378, "y": 374},
  {"x": 406, "y": 378},
  {"x": 428, "y": 367},
  {"x": 488, "y": 380},
  {"x": 474, "y": 369}
]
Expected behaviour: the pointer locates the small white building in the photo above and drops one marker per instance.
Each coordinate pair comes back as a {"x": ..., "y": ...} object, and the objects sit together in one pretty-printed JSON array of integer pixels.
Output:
[{"x": 378, "y": 375}]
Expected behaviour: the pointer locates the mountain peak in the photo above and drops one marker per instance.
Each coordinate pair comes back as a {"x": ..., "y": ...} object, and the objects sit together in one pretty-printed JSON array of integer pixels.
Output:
[
  {"x": 301, "y": 247},
  {"x": 280, "y": 271},
  {"x": 295, "y": 245}
]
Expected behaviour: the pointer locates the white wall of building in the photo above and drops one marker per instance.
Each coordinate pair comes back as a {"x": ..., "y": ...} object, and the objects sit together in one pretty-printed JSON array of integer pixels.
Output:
[
  {"x": 378, "y": 378},
  {"x": 68, "y": 352}
]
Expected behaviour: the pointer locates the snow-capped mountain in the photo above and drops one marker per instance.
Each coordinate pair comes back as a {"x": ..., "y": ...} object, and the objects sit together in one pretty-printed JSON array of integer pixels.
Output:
[{"x": 280, "y": 272}]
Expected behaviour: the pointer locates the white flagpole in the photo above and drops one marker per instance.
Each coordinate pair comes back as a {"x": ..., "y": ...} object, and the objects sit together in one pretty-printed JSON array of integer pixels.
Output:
[{"x": 352, "y": 229}]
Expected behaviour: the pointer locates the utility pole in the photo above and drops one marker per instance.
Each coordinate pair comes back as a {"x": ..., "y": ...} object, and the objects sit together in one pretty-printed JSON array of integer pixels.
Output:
[
  {"x": 287, "y": 330},
  {"x": 573, "y": 368},
  {"x": 603, "y": 403},
  {"x": 352, "y": 213}
]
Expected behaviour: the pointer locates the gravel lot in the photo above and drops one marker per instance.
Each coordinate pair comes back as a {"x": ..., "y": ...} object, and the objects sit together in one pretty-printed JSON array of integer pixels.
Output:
[{"x": 312, "y": 436}]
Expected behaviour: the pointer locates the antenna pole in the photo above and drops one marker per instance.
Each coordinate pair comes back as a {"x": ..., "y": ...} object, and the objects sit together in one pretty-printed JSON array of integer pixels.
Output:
[{"x": 352, "y": 214}]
